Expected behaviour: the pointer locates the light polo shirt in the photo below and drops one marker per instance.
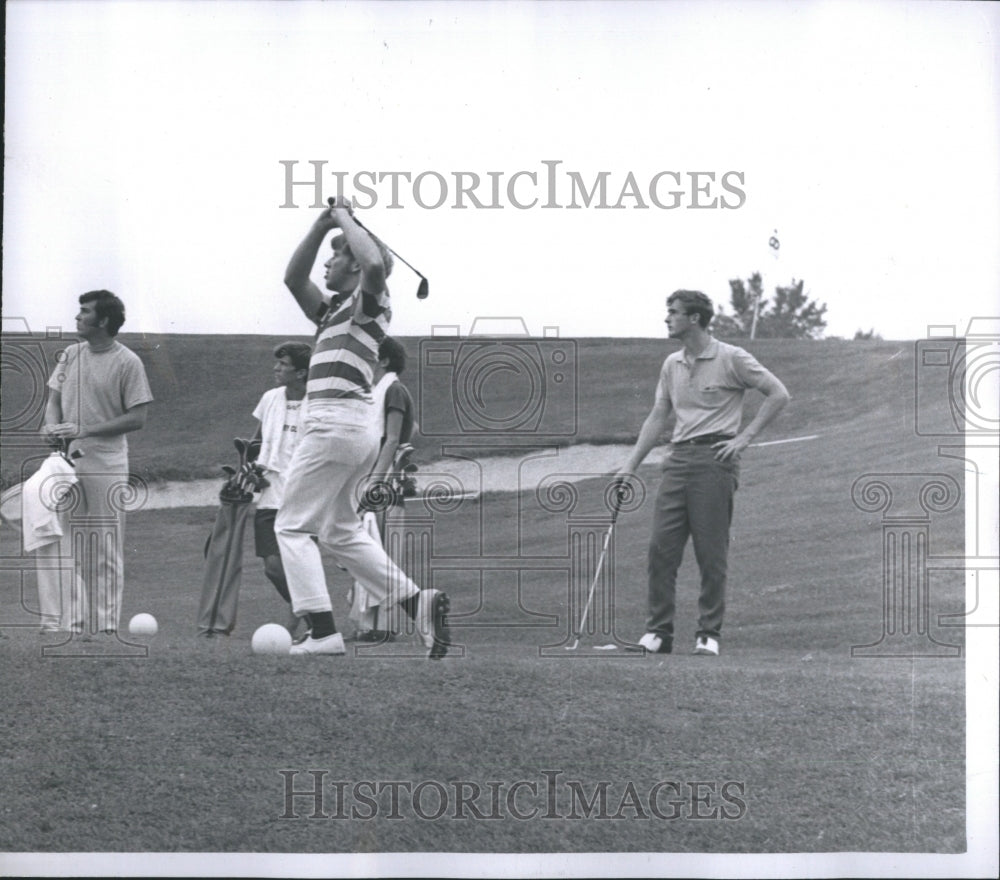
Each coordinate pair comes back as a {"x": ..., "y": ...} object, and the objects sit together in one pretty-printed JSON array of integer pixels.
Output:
[{"x": 706, "y": 394}]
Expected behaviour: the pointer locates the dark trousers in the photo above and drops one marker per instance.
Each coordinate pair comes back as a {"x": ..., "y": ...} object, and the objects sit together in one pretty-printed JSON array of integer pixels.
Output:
[{"x": 695, "y": 499}]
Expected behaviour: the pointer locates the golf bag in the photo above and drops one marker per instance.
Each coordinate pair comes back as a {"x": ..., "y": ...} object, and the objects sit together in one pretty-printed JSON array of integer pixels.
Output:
[{"x": 224, "y": 548}]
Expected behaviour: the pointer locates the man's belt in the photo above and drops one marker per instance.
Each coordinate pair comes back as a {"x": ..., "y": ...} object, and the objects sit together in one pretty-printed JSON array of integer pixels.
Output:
[{"x": 704, "y": 440}]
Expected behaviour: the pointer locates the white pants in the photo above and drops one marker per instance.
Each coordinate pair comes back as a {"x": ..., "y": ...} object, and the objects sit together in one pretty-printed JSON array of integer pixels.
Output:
[
  {"x": 81, "y": 575},
  {"x": 62, "y": 594},
  {"x": 336, "y": 452}
]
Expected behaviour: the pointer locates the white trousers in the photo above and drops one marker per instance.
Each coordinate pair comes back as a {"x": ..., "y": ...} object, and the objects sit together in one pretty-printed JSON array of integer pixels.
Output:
[
  {"x": 62, "y": 594},
  {"x": 81, "y": 577},
  {"x": 318, "y": 512}
]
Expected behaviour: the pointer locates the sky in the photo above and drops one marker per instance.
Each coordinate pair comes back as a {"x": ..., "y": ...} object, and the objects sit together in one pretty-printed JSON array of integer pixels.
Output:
[{"x": 145, "y": 144}]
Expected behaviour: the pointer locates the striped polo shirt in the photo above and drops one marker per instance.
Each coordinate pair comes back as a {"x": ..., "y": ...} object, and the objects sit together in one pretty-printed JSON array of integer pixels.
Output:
[{"x": 346, "y": 349}]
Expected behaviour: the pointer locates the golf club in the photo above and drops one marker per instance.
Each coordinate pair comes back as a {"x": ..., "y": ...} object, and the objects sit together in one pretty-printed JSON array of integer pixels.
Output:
[
  {"x": 61, "y": 445},
  {"x": 423, "y": 289},
  {"x": 597, "y": 573}
]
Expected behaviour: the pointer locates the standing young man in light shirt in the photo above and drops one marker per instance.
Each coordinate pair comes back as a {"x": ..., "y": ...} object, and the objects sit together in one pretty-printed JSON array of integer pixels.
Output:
[
  {"x": 703, "y": 385},
  {"x": 279, "y": 415},
  {"x": 98, "y": 393}
]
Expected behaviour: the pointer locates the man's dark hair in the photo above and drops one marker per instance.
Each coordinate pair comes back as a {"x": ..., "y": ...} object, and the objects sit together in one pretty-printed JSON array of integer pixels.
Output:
[
  {"x": 297, "y": 352},
  {"x": 390, "y": 350},
  {"x": 106, "y": 305},
  {"x": 695, "y": 303}
]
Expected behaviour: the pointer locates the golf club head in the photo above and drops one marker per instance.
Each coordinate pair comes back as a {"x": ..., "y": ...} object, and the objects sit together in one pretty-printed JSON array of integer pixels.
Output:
[{"x": 423, "y": 291}]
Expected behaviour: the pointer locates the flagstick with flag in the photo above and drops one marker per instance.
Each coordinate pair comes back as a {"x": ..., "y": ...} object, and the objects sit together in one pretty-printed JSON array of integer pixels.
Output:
[{"x": 774, "y": 244}]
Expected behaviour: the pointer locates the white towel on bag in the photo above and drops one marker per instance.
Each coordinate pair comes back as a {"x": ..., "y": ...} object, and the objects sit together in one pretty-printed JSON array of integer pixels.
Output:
[{"x": 41, "y": 495}]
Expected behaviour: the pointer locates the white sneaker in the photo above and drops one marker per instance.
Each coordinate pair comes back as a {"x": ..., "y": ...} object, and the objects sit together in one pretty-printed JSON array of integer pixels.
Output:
[
  {"x": 432, "y": 622},
  {"x": 706, "y": 645},
  {"x": 654, "y": 644},
  {"x": 331, "y": 644}
]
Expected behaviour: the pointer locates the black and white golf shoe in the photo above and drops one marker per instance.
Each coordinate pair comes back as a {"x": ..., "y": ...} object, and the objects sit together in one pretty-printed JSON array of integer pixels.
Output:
[
  {"x": 706, "y": 646},
  {"x": 432, "y": 622},
  {"x": 654, "y": 643}
]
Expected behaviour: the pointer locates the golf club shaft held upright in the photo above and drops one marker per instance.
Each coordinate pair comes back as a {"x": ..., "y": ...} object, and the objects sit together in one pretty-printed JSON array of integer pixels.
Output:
[
  {"x": 423, "y": 290},
  {"x": 597, "y": 572}
]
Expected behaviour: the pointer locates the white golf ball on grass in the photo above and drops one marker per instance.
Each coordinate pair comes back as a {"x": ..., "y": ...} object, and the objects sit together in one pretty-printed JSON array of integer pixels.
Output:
[
  {"x": 271, "y": 638},
  {"x": 143, "y": 625}
]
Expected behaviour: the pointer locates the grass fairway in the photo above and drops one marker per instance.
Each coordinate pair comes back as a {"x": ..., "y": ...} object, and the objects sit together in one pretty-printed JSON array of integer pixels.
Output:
[
  {"x": 206, "y": 388},
  {"x": 786, "y": 743}
]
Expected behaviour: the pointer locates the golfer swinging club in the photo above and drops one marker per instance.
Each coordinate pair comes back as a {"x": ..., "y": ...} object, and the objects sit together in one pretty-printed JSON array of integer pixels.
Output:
[
  {"x": 340, "y": 439},
  {"x": 703, "y": 385}
]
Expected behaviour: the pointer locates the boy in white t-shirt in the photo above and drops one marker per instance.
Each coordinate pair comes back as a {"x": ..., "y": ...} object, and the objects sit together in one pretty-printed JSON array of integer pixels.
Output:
[
  {"x": 97, "y": 395},
  {"x": 279, "y": 413}
]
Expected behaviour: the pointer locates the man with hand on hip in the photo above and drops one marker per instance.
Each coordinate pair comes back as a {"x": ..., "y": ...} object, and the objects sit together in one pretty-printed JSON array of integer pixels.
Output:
[
  {"x": 340, "y": 439},
  {"x": 703, "y": 386}
]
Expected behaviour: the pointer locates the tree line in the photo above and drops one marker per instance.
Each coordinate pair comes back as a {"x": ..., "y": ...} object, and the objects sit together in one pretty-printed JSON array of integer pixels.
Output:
[{"x": 790, "y": 314}]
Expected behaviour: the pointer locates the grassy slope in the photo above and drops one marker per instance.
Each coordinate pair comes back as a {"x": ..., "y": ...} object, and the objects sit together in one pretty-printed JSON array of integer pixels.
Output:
[
  {"x": 207, "y": 386},
  {"x": 181, "y": 751}
]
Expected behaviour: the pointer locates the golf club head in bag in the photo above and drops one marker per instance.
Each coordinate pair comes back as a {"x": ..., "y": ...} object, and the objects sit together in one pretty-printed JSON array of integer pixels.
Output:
[
  {"x": 61, "y": 445},
  {"x": 403, "y": 470},
  {"x": 248, "y": 477}
]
